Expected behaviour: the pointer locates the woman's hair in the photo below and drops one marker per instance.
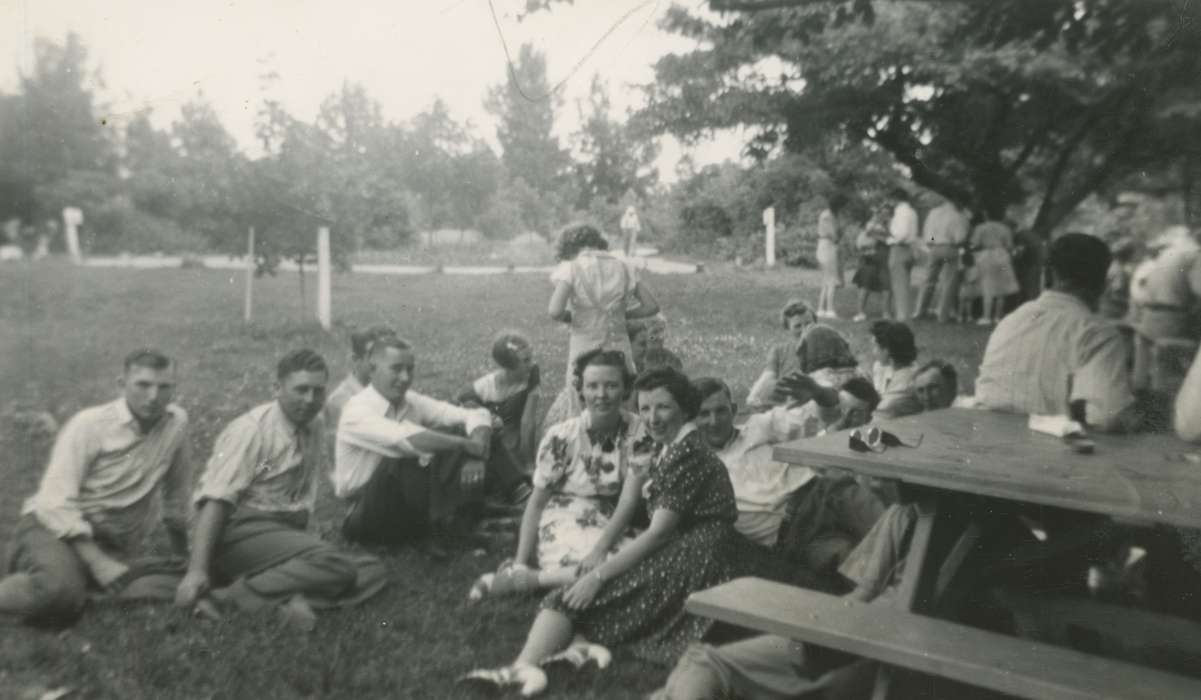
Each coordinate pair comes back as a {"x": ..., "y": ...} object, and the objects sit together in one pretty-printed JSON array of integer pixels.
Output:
[
  {"x": 600, "y": 357},
  {"x": 863, "y": 390},
  {"x": 506, "y": 346},
  {"x": 822, "y": 347},
  {"x": 837, "y": 201},
  {"x": 900, "y": 194},
  {"x": 795, "y": 307},
  {"x": 676, "y": 383},
  {"x": 896, "y": 338},
  {"x": 575, "y": 237}
]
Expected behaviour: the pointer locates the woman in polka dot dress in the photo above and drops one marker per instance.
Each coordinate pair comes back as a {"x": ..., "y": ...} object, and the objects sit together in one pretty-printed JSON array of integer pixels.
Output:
[{"x": 637, "y": 596}]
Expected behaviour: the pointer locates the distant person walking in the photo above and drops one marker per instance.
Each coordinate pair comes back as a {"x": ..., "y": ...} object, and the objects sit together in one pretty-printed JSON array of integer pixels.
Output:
[
  {"x": 871, "y": 274},
  {"x": 630, "y": 228},
  {"x": 945, "y": 230},
  {"x": 829, "y": 237},
  {"x": 993, "y": 241},
  {"x": 902, "y": 237}
]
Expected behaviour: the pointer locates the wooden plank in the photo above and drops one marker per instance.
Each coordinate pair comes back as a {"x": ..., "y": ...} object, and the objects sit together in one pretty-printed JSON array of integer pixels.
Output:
[
  {"x": 1149, "y": 478},
  {"x": 1132, "y": 626},
  {"x": 1019, "y": 667},
  {"x": 918, "y": 560}
]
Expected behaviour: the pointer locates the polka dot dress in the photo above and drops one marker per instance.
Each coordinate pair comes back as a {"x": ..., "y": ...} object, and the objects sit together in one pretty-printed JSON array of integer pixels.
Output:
[{"x": 644, "y": 607}]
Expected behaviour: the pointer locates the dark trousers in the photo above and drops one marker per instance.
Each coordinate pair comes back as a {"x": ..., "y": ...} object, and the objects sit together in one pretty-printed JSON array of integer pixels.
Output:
[{"x": 403, "y": 501}]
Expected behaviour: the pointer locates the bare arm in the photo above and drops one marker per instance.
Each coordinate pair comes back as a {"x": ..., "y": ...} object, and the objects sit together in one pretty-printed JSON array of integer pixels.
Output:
[
  {"x": 210, "y": 523},
  {"x": 105, "y": 569},
  {"x": 664, "y": 524},
  {"x": 530, "y": 520},
  {"x": 647, "y": 306},
  {"x": 557, "y": 309},
  {"x": 1188, "y": 404}
]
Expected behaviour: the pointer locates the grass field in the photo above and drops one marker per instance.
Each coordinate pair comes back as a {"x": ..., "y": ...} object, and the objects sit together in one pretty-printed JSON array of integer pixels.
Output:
[{"x": 65, "y": 330}]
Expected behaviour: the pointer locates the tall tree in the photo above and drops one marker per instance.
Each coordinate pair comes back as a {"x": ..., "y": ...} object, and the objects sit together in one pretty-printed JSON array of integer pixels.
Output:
[
  {"x": 989, "y": 104},
  {"x": 51, "y": 128},
  {"x": 525, "y": 109},
  {"x": 612, "y": 158}
]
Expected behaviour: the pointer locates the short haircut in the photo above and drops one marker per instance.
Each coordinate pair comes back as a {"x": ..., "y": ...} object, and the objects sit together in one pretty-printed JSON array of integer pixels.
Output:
[
  {"x": 362, "y": 340},
  {"x": 506, "y": 346},
  {"x": 862, "y": 389},
  {"x": 600, "y": 357},
  {"x": 1080, "y": 260},
  {"x": 837, "y": 201},
  {"x": 147, "y": 357},
  {"x": 795, "y": 307},
  {"x": 900, "y": 194},
  {"x": 897, "y": 339},
  {"x": 390, "y": 341},
  {"x": 302, "y": 360},
  {"x": 575, "y": 237},
  {"x": 676, "y": 383},
  {"x": 661, "y": 357},
  {"x": 708, "y": 386},
  {"x": 947, "y": 371}
]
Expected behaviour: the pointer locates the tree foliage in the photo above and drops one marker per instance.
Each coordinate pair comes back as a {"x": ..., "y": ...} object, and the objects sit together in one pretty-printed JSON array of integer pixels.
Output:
[
  {"x": 613, "y": 158},
  {"x": 987, "y": 103}
]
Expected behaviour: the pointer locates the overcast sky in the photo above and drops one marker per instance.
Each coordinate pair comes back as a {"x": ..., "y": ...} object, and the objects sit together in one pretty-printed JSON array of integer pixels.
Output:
[{"x": 162, "y": 53}]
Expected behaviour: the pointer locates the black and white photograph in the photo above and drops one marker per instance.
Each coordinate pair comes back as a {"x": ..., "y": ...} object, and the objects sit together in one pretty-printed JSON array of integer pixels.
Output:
[{"x": 591, "y": 349}]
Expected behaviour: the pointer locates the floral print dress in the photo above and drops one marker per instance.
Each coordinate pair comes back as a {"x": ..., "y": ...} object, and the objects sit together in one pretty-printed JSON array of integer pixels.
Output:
[
  {"x": 644, "y": 606},
  {"x": 584, "y": 478}
]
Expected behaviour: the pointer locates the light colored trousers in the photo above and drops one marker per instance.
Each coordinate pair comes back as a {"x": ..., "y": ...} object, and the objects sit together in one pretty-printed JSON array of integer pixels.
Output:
[
  {"x": 942, "y": 276},
  {"x": 900, "y": 264}
]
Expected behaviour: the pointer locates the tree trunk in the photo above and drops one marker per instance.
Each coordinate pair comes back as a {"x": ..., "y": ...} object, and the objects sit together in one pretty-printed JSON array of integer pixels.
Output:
[{"x": 300, "y": 276}]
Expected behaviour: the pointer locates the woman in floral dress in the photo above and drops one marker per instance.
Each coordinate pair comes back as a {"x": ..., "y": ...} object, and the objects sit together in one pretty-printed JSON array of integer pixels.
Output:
[
  {"x": 575, "y": 517},
  {"x": 637, "y": 596}
]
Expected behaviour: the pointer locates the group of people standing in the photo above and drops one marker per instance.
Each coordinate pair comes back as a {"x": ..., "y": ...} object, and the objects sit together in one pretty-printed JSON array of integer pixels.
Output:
[{"x": 987, "y": 263}]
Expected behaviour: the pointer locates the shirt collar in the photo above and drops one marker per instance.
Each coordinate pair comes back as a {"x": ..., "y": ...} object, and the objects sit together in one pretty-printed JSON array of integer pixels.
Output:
[
  {"x": 126, "y": 417},
  {"x": 285, "y": 426},
  {"x": 684, "y": 431},
  {"x": 1057, "y": 298},
  {"x": 378, "y": 401}
]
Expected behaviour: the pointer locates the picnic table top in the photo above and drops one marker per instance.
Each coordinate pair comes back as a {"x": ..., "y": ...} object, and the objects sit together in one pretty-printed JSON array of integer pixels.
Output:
[{"x": 1146, "y": 477}]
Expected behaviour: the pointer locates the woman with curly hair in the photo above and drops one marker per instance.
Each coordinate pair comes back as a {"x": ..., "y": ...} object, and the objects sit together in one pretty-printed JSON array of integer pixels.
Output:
[
  {"x": 637, "y": 596},
  {"x": 593, "y": 291},
  {"x": 575, "y": 516}
]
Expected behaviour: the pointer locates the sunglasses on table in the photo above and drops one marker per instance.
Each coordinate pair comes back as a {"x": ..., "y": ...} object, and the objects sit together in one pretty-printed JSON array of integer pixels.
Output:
[{"x": 877, "y": 440}]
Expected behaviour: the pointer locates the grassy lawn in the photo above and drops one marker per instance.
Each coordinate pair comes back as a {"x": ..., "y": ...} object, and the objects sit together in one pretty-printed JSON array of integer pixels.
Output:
[{"x": 65, "y": 330}]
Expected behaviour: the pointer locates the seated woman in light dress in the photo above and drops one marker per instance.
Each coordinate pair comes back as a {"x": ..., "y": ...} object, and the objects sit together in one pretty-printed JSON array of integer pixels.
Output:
[
  {"x": 795, "y": 317},
  {"x": 595, "y": 295},
  {"x": 511, "y": 393},
  {"x": 586, "y": 485},
  {"x": 894, "y": 371}
]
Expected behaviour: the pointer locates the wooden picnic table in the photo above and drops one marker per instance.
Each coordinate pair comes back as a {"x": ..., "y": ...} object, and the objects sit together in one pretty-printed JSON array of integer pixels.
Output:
[{"x": 967, "y": 454}]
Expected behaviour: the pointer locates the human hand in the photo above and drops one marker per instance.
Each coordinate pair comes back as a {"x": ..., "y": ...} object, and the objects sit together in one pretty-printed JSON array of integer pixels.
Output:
[
  {"x": 796, "y": 388},
  {"x": 108, "y": 573},
  {"x": 479, "y": 442},
  {"x": 193, "y": 586},
  {"x": 592, "y": 560},
  {"x": 583, "y": 591},
  {"x": 471, "y": 476}
]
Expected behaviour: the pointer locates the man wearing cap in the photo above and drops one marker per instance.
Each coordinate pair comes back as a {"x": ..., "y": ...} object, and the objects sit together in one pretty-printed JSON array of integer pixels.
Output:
[{"x": 113, "y": 470}]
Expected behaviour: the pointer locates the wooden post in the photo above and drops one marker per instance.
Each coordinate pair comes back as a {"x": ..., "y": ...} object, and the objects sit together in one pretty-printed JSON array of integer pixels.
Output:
[
  {"x": 248, "y": 302},
  {"x": 72, "y": 218},
  {"x": 323, "y": 290},
  {"x": 769, "y": 246}
]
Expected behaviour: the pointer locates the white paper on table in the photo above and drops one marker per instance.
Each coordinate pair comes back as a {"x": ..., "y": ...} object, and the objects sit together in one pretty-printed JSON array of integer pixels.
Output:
[{"x": 1056, "y": 425}]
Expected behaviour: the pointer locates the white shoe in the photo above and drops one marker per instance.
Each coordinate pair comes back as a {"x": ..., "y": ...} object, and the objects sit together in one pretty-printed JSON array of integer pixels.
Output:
[
  {"x": 983, "y": 322},
  {"x": 833, "y": 316},
  {"x": 531, "y": 678},
  {"x": 859, "y": 317},
  {"x": 580, "y": 652}
]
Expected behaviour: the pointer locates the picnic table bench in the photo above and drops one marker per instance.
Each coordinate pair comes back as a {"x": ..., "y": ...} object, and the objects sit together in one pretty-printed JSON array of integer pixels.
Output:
[{"x": 1011, "y": 665}]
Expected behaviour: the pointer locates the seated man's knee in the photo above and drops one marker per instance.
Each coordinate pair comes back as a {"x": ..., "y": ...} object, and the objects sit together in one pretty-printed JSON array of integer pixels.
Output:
[
  {"x": 57, "y": 600},
  {"x": 335, "y": 571},
  {"x": 696, "y": 676}
]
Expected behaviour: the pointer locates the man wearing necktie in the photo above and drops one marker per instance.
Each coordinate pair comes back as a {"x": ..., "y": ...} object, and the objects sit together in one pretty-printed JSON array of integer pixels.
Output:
[
  {"x": 406, "y": 462},
  {"x": 254, "y": 502}
]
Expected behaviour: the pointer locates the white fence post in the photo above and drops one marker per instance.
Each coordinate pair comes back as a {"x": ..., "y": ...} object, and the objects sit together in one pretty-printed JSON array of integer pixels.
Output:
[
  {"x": 323, "y": 280},
  {"x": 72, "y": 218},
  {"x": 248, "y": 302},
  {"x": 769, "y": 246}
]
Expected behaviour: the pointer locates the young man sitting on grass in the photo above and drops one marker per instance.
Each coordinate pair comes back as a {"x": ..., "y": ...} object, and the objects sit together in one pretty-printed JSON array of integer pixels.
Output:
[
  {"x": 255, "y": 500},
  {"x": 360, "y": 372},
  {"x": 404, "y": 464},
  {"x": 81, "y": 531}
]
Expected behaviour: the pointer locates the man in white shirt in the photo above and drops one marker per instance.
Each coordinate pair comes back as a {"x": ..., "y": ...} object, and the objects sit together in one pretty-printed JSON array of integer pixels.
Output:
[
  {"x": 945, "y": 230},
  {"x": 763, "y": 486},
  {"x": 902, "y": 237},
  {"x": 403, "y": 462},
  {"x": 115, "y": 470},
  {"x": 360, "y": 372}
]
